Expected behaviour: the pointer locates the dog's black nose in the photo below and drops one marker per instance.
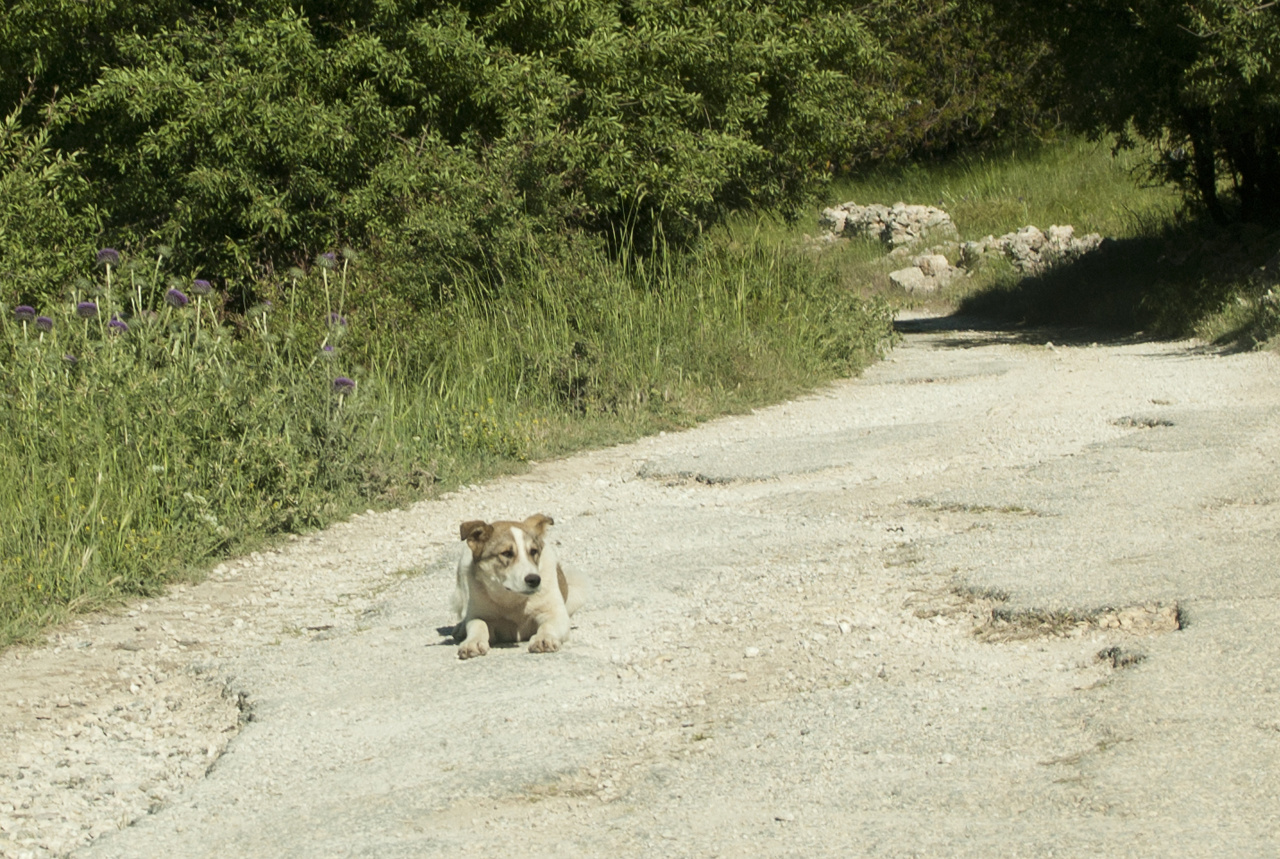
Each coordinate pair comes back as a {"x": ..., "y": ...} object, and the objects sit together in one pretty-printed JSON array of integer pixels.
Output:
[{"x": 533, "y": 580}]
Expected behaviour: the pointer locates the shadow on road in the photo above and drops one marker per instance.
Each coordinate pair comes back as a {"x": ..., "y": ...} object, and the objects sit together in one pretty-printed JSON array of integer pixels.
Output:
[{"x": 991, "y": 331}]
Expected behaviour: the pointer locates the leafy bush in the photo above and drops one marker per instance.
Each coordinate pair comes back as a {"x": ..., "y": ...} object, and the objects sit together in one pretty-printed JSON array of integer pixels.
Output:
[
  {"x": 451, "y": 131},
  {"x": 41, "y": 231},
  {"x": 965, "y": 79}
]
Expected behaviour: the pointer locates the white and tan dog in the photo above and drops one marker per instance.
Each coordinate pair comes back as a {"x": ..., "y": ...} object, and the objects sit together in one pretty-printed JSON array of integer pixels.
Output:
[{"x": 511, "y": 588}]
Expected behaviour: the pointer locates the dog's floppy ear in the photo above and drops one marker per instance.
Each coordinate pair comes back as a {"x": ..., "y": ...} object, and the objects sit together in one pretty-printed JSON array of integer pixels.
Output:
[
  {"x": 537, "y": 523},
  {"x": 476, "y": 533}
]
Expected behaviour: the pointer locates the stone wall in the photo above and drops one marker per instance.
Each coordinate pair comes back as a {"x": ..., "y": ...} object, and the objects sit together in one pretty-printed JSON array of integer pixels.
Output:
[{"x": 901, "y": 227}]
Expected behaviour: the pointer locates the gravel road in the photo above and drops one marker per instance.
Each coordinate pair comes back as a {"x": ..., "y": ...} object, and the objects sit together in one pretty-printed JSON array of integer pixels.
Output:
[{"x": 1000, "y": 596}]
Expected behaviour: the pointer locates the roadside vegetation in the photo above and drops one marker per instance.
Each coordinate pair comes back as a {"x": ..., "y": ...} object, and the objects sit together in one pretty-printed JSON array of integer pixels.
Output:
[
  {"x": 264, "y": 264},
  {"x": 1168, "y": 270}
]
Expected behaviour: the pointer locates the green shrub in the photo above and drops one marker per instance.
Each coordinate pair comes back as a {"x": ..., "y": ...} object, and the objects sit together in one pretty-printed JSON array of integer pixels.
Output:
[
  {"x": 43, "y": 226},
  {"x": 966, "y": 78},
  {"x": 249, "y": 136}
]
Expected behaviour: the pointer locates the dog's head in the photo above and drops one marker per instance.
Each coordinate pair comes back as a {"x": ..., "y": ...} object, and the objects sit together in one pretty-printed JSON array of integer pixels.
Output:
[{"x": 508, "y": 553}]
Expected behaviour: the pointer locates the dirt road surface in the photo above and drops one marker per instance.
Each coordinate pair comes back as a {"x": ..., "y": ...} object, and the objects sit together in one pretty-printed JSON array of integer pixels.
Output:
[{"x": 1000, "y": 596}]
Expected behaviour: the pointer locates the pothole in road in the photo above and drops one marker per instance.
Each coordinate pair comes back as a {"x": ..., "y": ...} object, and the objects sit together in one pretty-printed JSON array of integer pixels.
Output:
[
  {"x": 996, "y": 623},
  {"x": 1019, "y": 625},
  {"x": 684, "y": 477},
  {"x": 1120, "y": 657},
  {"x": 1141, "y": 422},
  {"x": 976, "y": 509}
]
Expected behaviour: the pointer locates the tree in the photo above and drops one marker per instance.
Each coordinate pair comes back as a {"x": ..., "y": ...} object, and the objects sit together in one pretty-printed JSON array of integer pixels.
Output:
[{"x": 1198, "y": 79}]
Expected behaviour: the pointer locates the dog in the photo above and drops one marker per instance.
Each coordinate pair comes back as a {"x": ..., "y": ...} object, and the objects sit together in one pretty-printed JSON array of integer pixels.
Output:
[{"x": 511, "y": 588}]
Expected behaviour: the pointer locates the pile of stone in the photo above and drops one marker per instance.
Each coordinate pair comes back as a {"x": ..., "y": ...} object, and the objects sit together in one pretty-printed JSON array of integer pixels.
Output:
[
  {"x": 927, "y": 273},
  {"x": 1032, "y": 251},
  {"x": 901, "y": 227},
  {"x": 895, "y": 225}
]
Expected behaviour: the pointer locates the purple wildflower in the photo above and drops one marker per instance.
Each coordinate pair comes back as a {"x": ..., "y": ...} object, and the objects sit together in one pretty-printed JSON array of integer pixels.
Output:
[
  {"x": 335, "y": 319},
  {"x": 176, "y": 298},
  {"x": 343, "y": 385},
  {"x": 117, "y": 325},
  {"x": 109, "y": 256},
  {"x": 87, "y": 309},
  {"x": 201, "y": 287},
  {"x": 327, "y": 260},
  {"x": 327, "y": 350},
  {"x": 44, "y": 323},
  {"x": 24, "y": 313}
]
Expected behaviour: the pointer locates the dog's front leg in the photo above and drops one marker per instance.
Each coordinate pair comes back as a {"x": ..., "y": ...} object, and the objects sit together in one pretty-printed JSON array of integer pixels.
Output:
[
  {"x": 477, "y": 641},
  {"x": 553, "y": 630}
]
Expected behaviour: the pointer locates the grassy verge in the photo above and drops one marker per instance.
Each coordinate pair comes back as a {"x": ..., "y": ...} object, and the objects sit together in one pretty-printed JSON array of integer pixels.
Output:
[{"x": 146, "y": 429}]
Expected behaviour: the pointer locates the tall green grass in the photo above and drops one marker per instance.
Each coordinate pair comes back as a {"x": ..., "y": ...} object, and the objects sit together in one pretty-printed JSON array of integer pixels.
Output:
[
  {"x": 1071, "y": 181},
  {"x": 154, "y": 432}
]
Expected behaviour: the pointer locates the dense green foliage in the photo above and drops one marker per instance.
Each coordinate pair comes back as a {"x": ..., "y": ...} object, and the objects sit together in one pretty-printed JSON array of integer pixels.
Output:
[
  {"x": 1199, "y": 79},
  {"x": 444, "y": 132},
  {"x": 965, "y": 77},
  {"x": 47, "y": 224}
]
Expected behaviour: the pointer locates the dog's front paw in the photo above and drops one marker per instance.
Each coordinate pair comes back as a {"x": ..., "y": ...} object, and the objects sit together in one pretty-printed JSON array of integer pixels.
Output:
[
  {"x": 544, "y": 644},
  {"x": 473, "y": 647}
]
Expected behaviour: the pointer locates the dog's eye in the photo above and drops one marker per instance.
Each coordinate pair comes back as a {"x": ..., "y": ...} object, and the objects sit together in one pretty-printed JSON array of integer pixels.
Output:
[
  {"x": 533, "y": 553},
  {"x": 508, "y": 554}
]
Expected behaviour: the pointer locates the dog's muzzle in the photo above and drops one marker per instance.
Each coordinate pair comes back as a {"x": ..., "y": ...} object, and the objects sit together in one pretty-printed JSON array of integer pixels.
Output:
[{"x": 526, "y": 584}]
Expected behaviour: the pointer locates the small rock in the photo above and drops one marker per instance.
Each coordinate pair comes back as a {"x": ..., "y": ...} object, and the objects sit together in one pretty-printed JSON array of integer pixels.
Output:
[
  {"x": 933, "y": 265},
  {"x": 751, "y": 652},
  {"x": 911, "y": 279}
]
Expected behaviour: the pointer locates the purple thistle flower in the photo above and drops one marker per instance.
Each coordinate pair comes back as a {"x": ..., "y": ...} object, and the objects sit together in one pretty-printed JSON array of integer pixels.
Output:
[
  {"x": 87, "y": 309},
  {"x": 108, "y": 256},
  {"x": 343, "y": 385},
  {"x": 117, "y": 325},
  {"x": 44, "y": 323},
  {"x": 335, "y": 319},
  {"x": 24, "y": 313},
  {"x": 327, "y": 350},
  {"x": 327, "y": 260},
  {"x": 176, "y": 298},
  {"x": 201, "y": 287}
]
